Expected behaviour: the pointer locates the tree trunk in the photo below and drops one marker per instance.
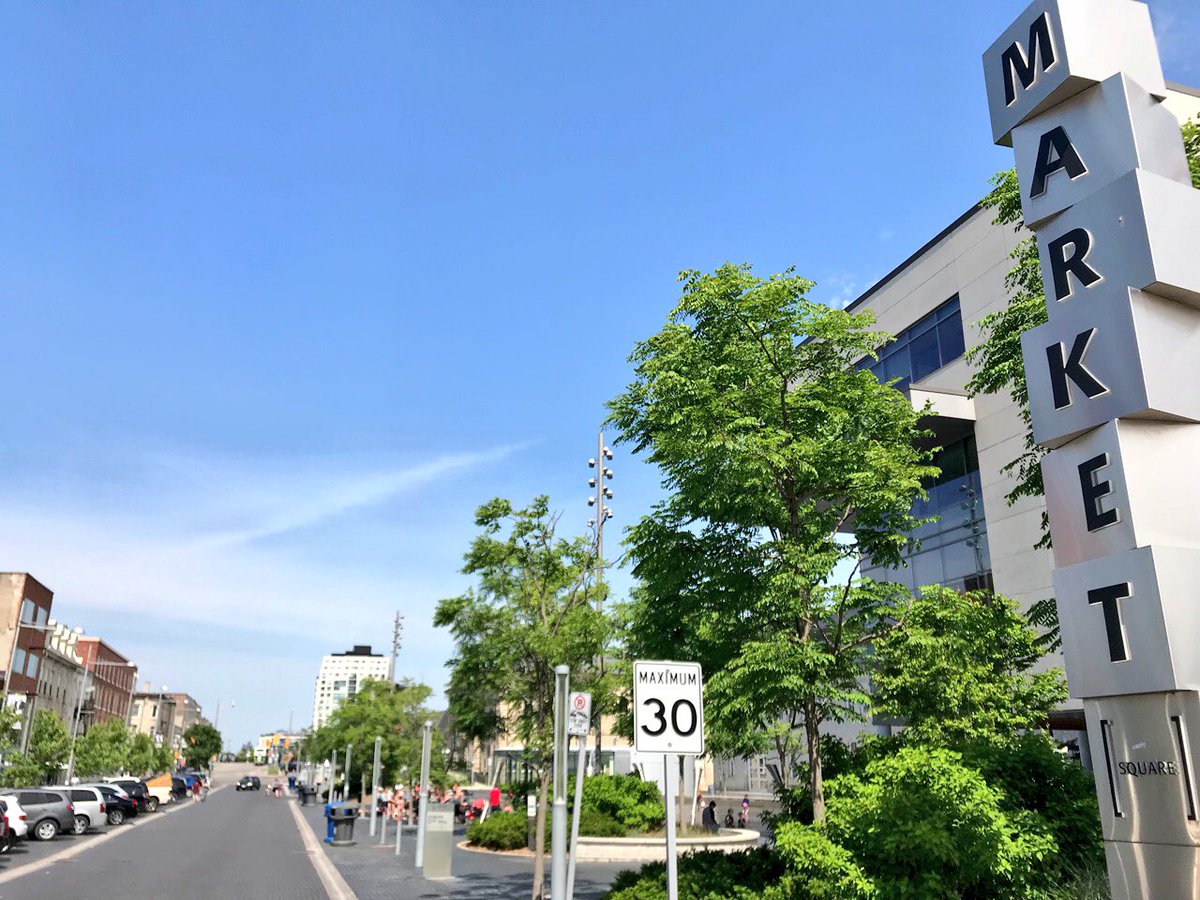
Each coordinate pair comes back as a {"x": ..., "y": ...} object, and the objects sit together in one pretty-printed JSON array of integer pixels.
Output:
[
  {"x": 816, "y": 782},
  {"x": 539, "y": 836}
]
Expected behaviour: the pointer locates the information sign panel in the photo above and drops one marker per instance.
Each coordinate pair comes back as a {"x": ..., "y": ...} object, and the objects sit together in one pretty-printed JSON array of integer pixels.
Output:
[
  {"x": 668, "y": 707},
  {"x": 579, "y": 714}
]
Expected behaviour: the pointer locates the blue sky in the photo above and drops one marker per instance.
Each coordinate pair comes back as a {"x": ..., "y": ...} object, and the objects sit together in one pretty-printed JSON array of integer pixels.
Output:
[{"x": 288, "y": 290}]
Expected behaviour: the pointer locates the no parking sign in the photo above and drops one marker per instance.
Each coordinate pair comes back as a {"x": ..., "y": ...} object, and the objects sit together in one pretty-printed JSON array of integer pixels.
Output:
[{"x": 579, "y": 713}]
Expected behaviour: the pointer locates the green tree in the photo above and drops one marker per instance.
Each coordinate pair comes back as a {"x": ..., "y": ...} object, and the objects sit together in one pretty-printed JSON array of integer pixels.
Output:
[
  {"x": 142, "y": 757},
  {"x": 395, "y": 713},
  {"x": 103, "y": 749},
  {"x": 200, "y": 743},
  {"x": 10, "y": 730},
  {"x": 246, "y": 753},
  {"x": 164, "y": 759},
  {"x": 962, "y": 669},
  {"x": 47, "y": 753},
  {"x": 533, "y": 608},
  {"x": 773, "y": 444}
]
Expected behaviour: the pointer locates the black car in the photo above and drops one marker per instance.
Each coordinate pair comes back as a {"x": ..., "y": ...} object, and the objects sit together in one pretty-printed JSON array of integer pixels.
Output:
[
  {"x": 138, "y": 790},
  {"x": 120, "y": 807},
  {"x": 249, "y": 783}
]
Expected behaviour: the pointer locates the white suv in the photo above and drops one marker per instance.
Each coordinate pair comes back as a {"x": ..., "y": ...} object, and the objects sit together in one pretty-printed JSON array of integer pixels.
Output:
[
  {"x": 16, "y": 816},
  {"x": 89, "y": 807}
]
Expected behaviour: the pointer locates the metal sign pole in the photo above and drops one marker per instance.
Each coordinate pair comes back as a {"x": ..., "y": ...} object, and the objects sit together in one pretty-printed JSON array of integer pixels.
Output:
[
  {"x": 670, "y": 764},
  {"x": 383, "y": 820},
  {"x": 375, "y": 783},
  {"x": 423, "y": 794},
  {"x": 579, "y": 766},
  {"x": 558, "y": 835},
  {"x": 333, "y": 777},
  {"x": 346, "y": 777}
]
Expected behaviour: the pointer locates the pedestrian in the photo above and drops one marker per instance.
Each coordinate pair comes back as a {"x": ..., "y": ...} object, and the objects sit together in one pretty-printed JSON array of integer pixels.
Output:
[
  {"x": 743, "y": 817},
  {"x": 729, "y": 818},
  {"x": 494, "y": 799},
  {"x": 709, "y": 820}
]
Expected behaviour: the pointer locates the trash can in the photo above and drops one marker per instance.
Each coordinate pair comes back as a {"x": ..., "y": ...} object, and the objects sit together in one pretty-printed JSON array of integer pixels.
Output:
[
  {"x": 344, "y": 816},
  {"x": 307, "y": 795}
]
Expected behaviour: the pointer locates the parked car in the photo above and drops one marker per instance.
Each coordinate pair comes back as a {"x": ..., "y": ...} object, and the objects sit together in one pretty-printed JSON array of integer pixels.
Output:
[
  {"x": 90, "y": 808},
  {"x": 47, "y": 812},
  {"x": 120, "y": 806},
  {"x": 139, "y": 791},
  {"x": 162, "y": 789},
  {"x": 179, "y": 788},
  {"x": 249, "y": 783},
  {"x": 7, "y": 836},
  {"x": 16, "y": 816}
]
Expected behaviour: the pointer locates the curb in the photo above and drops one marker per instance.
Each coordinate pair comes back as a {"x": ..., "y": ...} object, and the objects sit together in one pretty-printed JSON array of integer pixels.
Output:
[{"x": 331, "y": 879}]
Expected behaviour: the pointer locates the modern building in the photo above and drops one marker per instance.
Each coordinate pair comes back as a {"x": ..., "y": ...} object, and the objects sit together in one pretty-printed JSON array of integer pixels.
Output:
[
  {"x": 277, "y": 748},
  {"x": 153, "y": 713},
  {"x": 341, "y": 675},
  {"x": 111, "y": 678},
  {"x": 24, "y": 620}
]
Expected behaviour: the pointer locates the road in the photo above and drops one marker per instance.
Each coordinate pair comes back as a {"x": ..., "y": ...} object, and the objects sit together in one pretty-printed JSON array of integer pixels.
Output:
[{"x": 234, "y": 845}]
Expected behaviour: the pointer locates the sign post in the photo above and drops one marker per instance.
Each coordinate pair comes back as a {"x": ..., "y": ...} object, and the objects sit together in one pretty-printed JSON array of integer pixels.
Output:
[
  {"x": 579, "y": 716},
  {"x": 1075, "y": 86},
  {"x": 668, "y": 718},
  {"x": 422, "y": 795},
  {"x": 558, "y": 821},
  {"x": 375, "y": 783}
]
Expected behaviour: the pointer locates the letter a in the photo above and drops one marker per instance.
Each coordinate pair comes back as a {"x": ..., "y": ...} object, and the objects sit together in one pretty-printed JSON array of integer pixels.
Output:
[{"x": 1055, "y": 153}]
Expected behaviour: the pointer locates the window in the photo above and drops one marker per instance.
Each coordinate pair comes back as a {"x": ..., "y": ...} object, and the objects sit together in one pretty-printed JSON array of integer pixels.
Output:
[
  {"x": 920, "y": 350},
  {"x": 42, "y": 615},
  {"x": 18, "y": 661},
  {"x": 27, "y": 610}
]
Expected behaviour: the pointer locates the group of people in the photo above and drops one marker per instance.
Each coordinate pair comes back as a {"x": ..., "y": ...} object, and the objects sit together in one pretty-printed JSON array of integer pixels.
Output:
[
  {"x": 708, "y": 820},
  {"x": 402, "y": 803}
]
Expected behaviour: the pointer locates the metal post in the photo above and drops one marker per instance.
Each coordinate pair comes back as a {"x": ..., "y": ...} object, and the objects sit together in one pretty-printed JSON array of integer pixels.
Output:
[
  {"x": 670, "y": 767},
  {"x": 579, "y": 764},
  {"x": 399, "y": 833},
  {"x": 375, "y": 783},
  {"x": 423, "y": 790},
  {"x": 346, "y": 779},
  {"x": 397, "y": 631},
  {"x": 558, "y": 822},
  {"x": 333, "y": 778},
  {"x": 383, "y": 820},
  {"x": 83, "y": 678}
]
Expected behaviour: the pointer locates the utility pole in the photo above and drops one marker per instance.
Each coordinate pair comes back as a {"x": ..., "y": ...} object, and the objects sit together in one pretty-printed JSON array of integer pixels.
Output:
[
  {"x": 397, "y": 632},
  {"x": 603, "y": 514}
]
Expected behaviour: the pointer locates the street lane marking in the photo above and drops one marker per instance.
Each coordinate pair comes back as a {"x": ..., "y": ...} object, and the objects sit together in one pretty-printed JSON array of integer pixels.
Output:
[{"x": 331, "y": 879}]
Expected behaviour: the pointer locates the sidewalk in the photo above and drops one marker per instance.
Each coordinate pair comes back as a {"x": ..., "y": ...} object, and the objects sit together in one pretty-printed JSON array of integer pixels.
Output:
[{"x": 375, "y": 873}]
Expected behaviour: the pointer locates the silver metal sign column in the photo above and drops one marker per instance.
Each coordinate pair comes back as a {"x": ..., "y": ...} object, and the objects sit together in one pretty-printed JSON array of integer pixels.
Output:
[
  {"x": 375, "y": 783},
  {"x": 558, "y": 819},
  {"x": 1075, "y": 86},
  {"x": 422, "y": 794}
]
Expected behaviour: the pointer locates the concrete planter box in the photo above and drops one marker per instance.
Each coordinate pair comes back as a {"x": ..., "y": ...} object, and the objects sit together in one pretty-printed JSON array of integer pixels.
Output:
[{"x": 642, "y": 849}]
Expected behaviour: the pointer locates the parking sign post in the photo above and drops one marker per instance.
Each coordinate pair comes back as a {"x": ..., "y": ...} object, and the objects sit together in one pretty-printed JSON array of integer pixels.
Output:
[
  {"x": 668, "y": 718},
  {"x": 580, "y": 715}
]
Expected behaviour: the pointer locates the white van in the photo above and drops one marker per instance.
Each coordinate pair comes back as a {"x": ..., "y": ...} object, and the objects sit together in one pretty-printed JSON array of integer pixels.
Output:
[{"x": 89, "y": 807}]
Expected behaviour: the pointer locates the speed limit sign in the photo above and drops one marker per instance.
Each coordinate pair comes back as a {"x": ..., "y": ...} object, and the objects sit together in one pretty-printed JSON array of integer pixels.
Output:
[{"x": 668, "y": 707}]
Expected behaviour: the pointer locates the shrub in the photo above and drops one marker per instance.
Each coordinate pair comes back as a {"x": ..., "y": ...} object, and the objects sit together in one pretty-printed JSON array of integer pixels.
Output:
[
  {"x": 594, "y": 823},
  {"x": 922, "y": 824},
  {"x": 500, "y": 831},
  {"x": 636, "y": 804},
  {"x": 708, "y": 875},
  {"x": 818, "y": 868}
]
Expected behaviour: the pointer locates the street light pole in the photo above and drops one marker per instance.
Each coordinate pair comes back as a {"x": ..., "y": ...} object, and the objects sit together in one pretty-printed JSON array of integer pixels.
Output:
[
  {"x": 397, "y": 633},
  {"x": 84, "y": 674},
  {"x": 603, "y": 514}
]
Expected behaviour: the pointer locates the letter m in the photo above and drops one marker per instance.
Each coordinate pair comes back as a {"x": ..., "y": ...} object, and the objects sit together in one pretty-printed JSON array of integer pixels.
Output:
[{"x": 1018, "y": 64}]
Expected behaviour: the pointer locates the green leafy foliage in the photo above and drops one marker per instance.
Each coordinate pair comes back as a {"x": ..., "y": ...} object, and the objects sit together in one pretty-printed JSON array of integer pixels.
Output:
[
  {"x": 103, "y": 750},
  {"x": 707, "y": 875},
  {"x": 962, "y": 669},
  {"x": 819, "y": 868},
  {"x": 397, "y": 714},
  {"x": 501, "y": 831},
  {"x": 142, "y": 758},
  {"x": 634, "y": 804},
  {"x": 919, "y": 823},
  {"x": 770, "y": 440},
  {"x": 1191, "y": 146},
  {"x": 533, "y": 607},
  {"x": 594, "y": 823},
  {"x": 201, "y": 742},
  {"x": 47, "y": 753}
]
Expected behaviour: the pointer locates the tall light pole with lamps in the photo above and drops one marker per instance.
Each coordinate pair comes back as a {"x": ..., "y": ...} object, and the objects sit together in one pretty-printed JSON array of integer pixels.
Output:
[{"x": 603, "y": 514}]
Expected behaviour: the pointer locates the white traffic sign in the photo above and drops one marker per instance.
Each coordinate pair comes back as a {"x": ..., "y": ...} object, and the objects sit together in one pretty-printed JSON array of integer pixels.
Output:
[
  {"x": 668, "y": 707},
  {"x": 579, "y": 713}
]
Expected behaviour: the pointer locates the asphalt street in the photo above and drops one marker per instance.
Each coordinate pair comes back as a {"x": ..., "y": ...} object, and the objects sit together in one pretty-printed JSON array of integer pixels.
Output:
[{"x": 234, "y": 845}]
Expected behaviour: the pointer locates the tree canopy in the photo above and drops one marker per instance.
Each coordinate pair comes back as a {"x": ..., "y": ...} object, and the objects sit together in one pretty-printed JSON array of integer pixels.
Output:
[
  {"x": 532, "y": 608},
  {"x": 104, "y": 749},
  {"x": 48, "y": 750},
  {"x": 201, "y": 742},
  {"x": 782, "y": 457}
]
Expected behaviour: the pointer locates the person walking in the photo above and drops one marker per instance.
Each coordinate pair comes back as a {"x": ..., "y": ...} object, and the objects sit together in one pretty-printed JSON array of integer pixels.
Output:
[{"x": 709, "y": 819}]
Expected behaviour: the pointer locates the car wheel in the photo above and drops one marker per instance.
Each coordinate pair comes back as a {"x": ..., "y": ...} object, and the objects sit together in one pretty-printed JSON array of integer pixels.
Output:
[
  {"x": 115, "y": 817},
  {"x": 82, "y": 823},
  {"x": 46, "y": 830},
  {"x": 152, "y": 804},
  {"x": 7, "y": 842}
]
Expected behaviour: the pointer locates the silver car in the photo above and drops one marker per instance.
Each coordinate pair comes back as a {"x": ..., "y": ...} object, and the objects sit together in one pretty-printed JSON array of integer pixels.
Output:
[
  {"x": 90, "y": 811},
  {"x": 47, "y": 811}
]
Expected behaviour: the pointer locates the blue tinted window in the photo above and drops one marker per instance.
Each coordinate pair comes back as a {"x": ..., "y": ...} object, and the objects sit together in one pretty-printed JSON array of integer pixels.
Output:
[{"x": 922, "y": 349}]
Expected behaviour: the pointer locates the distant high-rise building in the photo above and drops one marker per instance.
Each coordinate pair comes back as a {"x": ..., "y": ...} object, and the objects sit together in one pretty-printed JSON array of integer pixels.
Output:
[{"x": 340, "y": 677}]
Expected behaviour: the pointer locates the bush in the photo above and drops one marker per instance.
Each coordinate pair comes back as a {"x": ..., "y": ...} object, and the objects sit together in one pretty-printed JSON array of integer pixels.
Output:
[
  {"x": 594, "y": 823},
  {"x": 626, "y": 799},
  {"x": 920, "y": 823},
  {"x": 818, "y": 868},
  {"x": 500, "y": 831},
  {"x": 708, "y": 875}
]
